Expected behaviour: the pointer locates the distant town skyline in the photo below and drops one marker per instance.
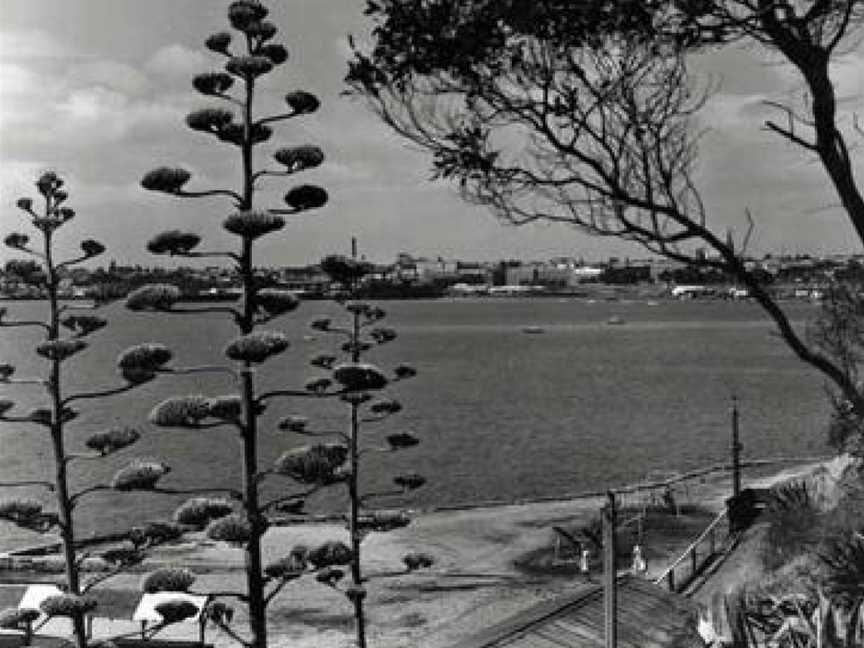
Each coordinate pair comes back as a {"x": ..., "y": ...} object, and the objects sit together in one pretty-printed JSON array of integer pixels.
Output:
[{"x": 97, "y": 90}]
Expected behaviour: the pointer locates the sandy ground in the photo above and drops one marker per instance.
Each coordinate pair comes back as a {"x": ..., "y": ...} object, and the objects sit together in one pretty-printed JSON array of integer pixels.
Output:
[{"x": 473, "y": 584}]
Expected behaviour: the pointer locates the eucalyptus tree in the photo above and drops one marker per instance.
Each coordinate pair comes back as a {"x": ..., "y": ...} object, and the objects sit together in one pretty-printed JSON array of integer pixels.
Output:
[
  {"x": 583, "y": 114},
  {"x": 67, "y": 328}
]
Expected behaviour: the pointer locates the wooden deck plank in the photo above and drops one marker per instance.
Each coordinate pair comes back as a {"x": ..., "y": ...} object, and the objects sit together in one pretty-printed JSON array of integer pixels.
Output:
[
  {"x": 535, "y": 640},
  {"x": 587, "y": 633},
  {"x": 650, "y": 617},
  {"x": 563, "y": 640}
]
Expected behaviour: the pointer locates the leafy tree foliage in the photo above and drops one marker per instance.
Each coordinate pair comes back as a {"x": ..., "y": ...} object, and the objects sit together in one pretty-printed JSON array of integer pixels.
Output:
[{"x": 582, "y": 113}]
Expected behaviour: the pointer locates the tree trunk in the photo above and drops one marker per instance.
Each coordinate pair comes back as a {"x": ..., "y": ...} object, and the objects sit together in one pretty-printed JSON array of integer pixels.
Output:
[{"x": 61, "y": 486}]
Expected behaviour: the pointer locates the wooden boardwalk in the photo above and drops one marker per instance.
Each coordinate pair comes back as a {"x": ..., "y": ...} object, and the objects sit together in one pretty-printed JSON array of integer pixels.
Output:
[{"x": 648, "y": 617}]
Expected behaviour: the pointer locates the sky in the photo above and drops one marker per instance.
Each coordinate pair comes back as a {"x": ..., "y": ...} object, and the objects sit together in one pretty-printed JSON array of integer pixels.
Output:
[{"x": 97, "y": 90}]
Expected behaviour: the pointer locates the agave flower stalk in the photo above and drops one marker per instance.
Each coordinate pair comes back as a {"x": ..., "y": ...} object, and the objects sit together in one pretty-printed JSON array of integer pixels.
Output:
[
  {"x": 358, "y": 381},
  {"x": 249, "y": 54},
  {"x": 56, "y": 349}
]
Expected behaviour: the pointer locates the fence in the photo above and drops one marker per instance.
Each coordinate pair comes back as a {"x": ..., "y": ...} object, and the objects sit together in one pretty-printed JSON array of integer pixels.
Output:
[{"x": 697, "y": 556}]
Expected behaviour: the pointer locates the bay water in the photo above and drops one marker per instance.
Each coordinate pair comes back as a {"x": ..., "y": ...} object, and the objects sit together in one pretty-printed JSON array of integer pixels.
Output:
[{"x": 575, "y": 403}]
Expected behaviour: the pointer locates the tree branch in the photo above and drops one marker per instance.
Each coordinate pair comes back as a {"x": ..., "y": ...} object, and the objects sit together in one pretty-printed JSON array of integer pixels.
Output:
[{"x": 791, "y": 136}]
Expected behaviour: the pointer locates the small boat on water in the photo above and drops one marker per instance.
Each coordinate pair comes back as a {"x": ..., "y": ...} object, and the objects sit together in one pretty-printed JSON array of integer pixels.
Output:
[
  {"x": 533, "y": 330},
  {"x": 615, "y": 320}
]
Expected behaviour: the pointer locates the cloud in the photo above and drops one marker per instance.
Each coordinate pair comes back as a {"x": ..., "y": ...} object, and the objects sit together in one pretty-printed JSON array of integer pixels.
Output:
[
  {"x": 178, "y": 62},
  {"x": 108, "y": 74},
  {"x": 847, "y": 73},
  {"x": 33, "y": 45}
]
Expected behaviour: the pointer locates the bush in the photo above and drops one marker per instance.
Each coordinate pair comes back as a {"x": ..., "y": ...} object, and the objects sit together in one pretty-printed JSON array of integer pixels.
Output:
[
  {"x": 67, "y": 605},
  {"x": 167, "y": 580},
  {"x": 199, "y": 511},
  {"x": 234, "y": 529},
  {"x": 794, "y": 524}
]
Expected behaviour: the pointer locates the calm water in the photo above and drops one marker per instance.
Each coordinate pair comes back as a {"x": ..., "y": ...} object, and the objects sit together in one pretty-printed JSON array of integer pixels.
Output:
[{"x": 500, "y": 413}]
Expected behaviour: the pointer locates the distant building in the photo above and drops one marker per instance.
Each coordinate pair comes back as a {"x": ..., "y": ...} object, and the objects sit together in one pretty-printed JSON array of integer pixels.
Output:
[
  {"x": 304, "y": 279},
  {"x": 626, "y": 274}
]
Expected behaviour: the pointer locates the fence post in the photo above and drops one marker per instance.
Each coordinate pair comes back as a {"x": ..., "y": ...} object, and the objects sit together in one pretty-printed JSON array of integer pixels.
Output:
[
  {"x": 736, "y": 449},
  {"x": 610, "y": 573}
]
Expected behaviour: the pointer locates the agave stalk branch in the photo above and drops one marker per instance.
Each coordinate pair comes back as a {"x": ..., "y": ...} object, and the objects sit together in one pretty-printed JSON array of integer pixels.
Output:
[
  {"x": 289, "y": 498},
  {"x": 74, "y": 497},
  {"x": 221, "y": 625},
  {"x": 276, "y": 590},
  {"x": 73, "y": 261},
  {"x": 29, "y": 482},
  {"x": 367, "y": 496},
  {"x": 26, "y": 323},
  {"x": 285, "y": 212},
  {"x": 19, "y": 419},
  {"x": 232, "y": 493},
  {"x": 180, "y": 371},
  {"x": 211, "y": 192},
  {"x": 101, "y": 578},
  {"x": 97, "y": 394},
  {"x": 296, "y": 393},
  {"x": 84, "y": 456},
  {"x": 270, "y": 173},
  {"x": 24, "y": 381},
  {"x": 198, "y": 311},
  {"x": 208, "y": 255},
  {"x": 69, "y": 307},
  {"x": 230, "y": 99},
  {"x": 276, "y": 118}
]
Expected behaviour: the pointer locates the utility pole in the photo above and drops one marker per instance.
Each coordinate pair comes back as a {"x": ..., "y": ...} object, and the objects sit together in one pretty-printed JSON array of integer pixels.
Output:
[
  {"x": 736, "y": 449},
  {"x": 610, "y": 572}
]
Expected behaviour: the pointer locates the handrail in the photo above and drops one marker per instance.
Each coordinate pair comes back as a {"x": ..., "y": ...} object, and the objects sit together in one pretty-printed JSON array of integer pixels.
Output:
[{"x": 692, "y": 547}]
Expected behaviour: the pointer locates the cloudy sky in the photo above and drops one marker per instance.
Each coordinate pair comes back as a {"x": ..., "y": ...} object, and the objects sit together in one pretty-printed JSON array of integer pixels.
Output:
[{"x": 97, "y": 90}]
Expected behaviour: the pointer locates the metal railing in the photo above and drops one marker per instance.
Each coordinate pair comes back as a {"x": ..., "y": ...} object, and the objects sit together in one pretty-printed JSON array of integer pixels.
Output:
[{"x": 695, "y": 557}]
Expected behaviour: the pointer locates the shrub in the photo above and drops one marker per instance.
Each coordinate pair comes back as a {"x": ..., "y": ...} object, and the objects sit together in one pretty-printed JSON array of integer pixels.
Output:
[{"x": 167, "y": 579}]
